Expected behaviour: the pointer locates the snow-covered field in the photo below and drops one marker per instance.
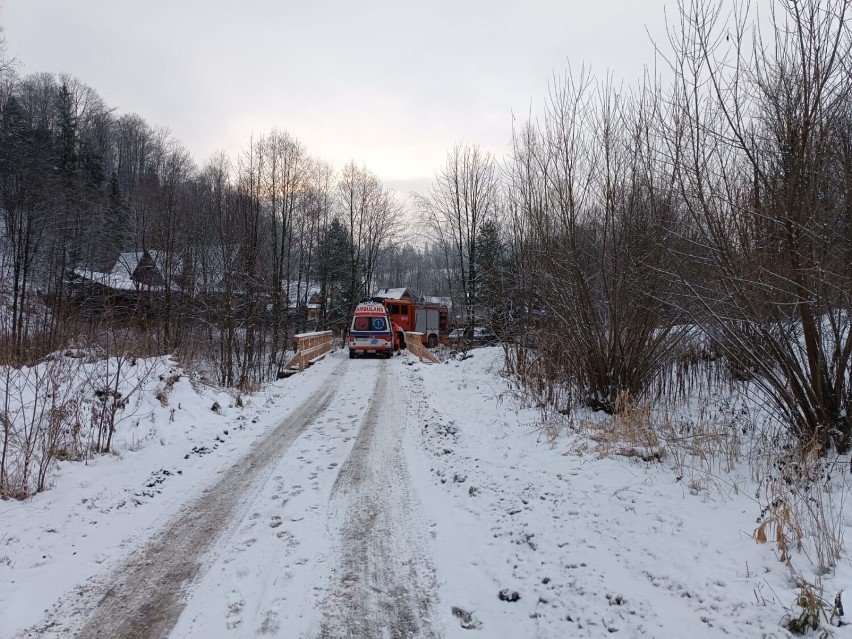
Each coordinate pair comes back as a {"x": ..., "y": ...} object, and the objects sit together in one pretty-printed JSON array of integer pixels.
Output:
[
  {"x": 591, "y": 546},
  {"x": 414, "y": 500}
]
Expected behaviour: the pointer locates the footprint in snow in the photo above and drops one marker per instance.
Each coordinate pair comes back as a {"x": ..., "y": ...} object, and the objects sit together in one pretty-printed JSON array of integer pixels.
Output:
[
  {"x": 234, "y": 616},
  {"x": 287, "y": 537},
  {"x": 270, "y": 625}
]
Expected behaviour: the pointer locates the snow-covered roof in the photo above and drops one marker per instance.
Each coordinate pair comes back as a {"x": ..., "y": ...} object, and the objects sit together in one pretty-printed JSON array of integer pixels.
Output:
[
  {"x": 121, "y": 278},
  {"x": 126, "y": 264},
  {"x": 393, "y": 294},
  {"x": 443, "y": 301},
  {"x": 297, "y": 291},
  {"x": 116, "y": 280}
]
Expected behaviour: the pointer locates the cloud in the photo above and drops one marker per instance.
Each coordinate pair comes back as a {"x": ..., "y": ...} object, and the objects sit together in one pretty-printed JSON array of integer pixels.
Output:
[{"x": 390, "y": 84}]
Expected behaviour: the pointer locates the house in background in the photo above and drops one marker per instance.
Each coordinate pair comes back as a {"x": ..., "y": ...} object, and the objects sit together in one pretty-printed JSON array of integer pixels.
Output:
[
  {"x": 199, "y": 271},
  {"x": 210, "y": 275},
  {"x": 133, "y": 285},
  {"x": 440, "y": 301},
  {"x": 393, "y": 294},
  {"x": 307, "y": 296},
  {"x": 133, "y": 271}
]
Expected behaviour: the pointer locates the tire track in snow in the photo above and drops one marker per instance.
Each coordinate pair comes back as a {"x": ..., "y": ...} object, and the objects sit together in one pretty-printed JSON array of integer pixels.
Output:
[
  {"x": 385, "y": 584},
  {"x": 270, "y": 573},
  {"x": 144, "y": 597}
]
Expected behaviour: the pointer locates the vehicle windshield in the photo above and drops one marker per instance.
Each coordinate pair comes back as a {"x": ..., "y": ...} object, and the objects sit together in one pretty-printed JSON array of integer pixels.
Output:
[{"x": 369, "y": 324}]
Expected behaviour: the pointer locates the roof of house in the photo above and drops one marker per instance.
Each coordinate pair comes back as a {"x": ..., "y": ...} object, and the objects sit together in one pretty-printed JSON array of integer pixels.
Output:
[
  {"x": 393, "y": 294},
  {"x": 443, "y": 301},
  {"x": 120, "y": 276},
  {"x": 126, "y": 264},
  {"x": 298, "y": 291},
  {"x": 107, "y": 279}
]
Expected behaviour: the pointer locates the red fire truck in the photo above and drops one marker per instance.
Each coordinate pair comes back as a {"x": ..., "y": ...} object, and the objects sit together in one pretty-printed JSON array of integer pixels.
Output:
[{"x": 429, "y": 319}]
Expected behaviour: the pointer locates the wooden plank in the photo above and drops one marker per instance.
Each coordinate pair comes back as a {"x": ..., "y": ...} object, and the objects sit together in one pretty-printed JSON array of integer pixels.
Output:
[
  {"x": 310, "y": 347},
  {"x": 414, "y": 343}
]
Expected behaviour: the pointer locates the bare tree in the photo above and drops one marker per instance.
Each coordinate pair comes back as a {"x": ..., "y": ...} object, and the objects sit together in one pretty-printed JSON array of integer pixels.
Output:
[
  {"x": 170, "y": 238},
  {"x": 284, "y": 175},
  {"x": 326, "y": 261},
  {"x": 7, "y": 69},
  {"x": 370, "y": 214},
  {"x": 762, "y": 127},
  {"x": 315, "y": 210},
  {"x": 217, "y": 278},
  {"x": 592, "y": 211},
  {"x": 463, "y": 197}
]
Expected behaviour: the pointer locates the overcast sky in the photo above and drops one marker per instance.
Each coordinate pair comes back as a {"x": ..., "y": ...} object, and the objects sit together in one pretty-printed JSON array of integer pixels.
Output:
[{"x": 390, "y": 84}]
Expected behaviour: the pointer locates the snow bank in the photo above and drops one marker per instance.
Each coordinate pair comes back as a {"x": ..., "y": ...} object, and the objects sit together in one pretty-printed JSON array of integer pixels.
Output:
[
  {"x": 168, "y": 445},
  {"x": 552, "y": 540}
]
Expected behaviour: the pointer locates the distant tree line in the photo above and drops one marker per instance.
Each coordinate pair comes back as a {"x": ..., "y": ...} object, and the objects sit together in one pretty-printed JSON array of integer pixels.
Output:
[{"x": 237, "y": 250}]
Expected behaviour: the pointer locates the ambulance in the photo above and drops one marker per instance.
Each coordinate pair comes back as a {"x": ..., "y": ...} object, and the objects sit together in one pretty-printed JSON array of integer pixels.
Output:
[{"x": 370, "y": 331}]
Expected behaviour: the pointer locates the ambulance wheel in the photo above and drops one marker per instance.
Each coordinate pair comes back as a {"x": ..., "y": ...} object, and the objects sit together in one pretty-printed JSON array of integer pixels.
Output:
[{"x": 351, "y": 354}]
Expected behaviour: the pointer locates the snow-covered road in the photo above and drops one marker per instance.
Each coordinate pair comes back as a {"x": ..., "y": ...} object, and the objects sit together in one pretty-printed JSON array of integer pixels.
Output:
[
  {"x": 331, "y": 546},
  {"x": 314, "y": 532},
  {"x": 383, "y": 584},
  {"x": 372, "y": 498}
]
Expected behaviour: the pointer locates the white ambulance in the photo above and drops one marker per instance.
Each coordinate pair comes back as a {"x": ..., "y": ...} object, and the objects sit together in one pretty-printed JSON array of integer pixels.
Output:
[{"x": 370, "y": 331}]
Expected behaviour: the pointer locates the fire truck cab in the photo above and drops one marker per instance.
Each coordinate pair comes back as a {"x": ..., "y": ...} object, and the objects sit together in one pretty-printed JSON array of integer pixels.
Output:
[{"x": 371, "y": 331}]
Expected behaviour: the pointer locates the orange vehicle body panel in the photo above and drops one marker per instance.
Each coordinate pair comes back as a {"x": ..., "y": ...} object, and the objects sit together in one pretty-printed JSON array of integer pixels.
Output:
[{"x": 403, "y": 314}]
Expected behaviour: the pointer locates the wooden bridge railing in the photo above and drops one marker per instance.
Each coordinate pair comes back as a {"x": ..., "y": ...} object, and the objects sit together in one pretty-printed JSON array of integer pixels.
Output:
[
  {"x": 309, "y": 348},
  {"x": 414, "y": 344}
]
